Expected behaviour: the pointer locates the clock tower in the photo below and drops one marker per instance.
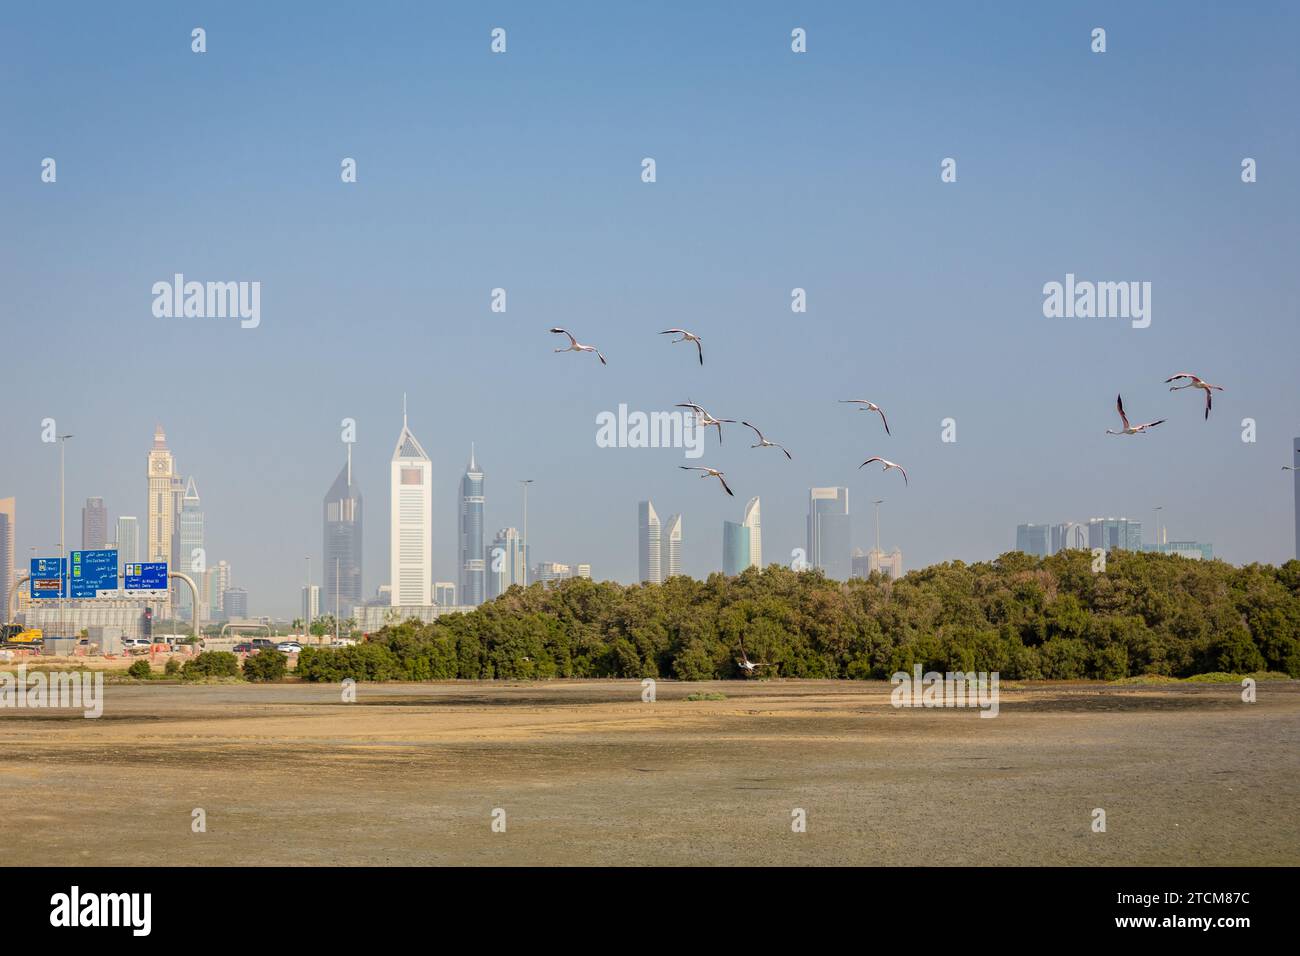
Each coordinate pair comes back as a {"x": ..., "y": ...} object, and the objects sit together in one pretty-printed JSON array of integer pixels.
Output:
[{"x": 162, "y": 501}]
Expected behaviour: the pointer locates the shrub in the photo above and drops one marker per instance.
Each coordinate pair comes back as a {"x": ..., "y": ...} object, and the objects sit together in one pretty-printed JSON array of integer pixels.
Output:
[
  {"x": 266, "y": 665},
  {"x": 140, "y": 670},
  {"x": 172, "y": 667},
  {"x": 211, "y": 664}
]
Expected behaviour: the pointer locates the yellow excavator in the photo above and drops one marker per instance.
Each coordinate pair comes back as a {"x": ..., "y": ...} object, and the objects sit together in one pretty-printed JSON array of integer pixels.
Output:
[{"x": 17, "y": 635}]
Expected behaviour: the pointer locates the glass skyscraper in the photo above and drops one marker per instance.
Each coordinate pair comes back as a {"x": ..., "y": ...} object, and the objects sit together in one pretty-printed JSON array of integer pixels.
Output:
[
  {"x": 1109, "y": 533},
  {"x": 735, "y": 548},
  {"x": 472, "y": 576},
  {"x": 343, "y": 526},
  {"x": 647, "y": 544},
  {"x": 190, "y": 558},
  {"x": 830, "y": 532}
]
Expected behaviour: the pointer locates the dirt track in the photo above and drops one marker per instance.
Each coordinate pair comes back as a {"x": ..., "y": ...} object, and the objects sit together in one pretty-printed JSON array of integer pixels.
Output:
[{"x": 587, "y": 773}]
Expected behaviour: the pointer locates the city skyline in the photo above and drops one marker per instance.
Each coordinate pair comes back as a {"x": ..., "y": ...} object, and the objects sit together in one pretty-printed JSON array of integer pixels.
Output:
[{"x": 934, "y": 311}]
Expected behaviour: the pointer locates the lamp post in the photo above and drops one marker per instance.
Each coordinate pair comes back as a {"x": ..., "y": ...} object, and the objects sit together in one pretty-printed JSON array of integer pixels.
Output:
[
  {"x": 306, "y": 603},
  {"x": 1155, "y": 531},
  {"x": 63, "y": 573}
]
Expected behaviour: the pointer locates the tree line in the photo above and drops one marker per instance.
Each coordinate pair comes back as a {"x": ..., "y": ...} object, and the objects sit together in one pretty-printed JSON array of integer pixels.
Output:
[{"x": 1028, "y": 618}]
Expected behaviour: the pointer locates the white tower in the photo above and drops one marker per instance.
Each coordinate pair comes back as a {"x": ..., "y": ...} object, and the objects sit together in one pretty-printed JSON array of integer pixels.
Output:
[
  {"x": 754, "y": 522},
  {"x": 411, "y": 523}
]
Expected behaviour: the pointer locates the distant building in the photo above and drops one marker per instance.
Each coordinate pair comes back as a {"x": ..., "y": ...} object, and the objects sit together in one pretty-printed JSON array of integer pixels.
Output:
[
  {"x": 888, "y": 563},
  {"x": 128, "y": 541},
  {"x": 505, "y": 562},
  {"x": 310, "y": 604},
  {"x": 1035, "y": 539},
  {"x": 235, "y": 602},
  {"x": 190, "y": 558},
  {"x": 217, "y": 582},
  {"x": 444, "y": 593},
  {"x": 551, "y": 571},
  {"x": 342, "y": 528},
  {"x": 735, "y": 548},
  {"x": 1111, "y": 533},
  {"x": 373, "y": 617},
  {"x": 1196, "y": 550},
  {"x": 410, "y": 522},
  {"x": 8, "y": 544},
  {"x": 1069, "y": 535},
  {"x": 94, "y": 525},
  {"x": 582, "y": 571},
  {"x": 670, "y": 557},
  {"x": 753, "y": 520},
  {"x": 742, "y": 544},
  {"x": 472, "y": 563},
  {"x": 830, "y": 532},
  {"x": 649, "y": 551},
  {"x": 162, "y": 499}
]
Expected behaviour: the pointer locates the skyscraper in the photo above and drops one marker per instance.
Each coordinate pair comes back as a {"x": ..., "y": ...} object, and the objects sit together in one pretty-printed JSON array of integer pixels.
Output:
[
  {"x": 505, "y": 562},
  {"x": 444, "y": 593},
  {"x": 753, "y": 520},
  {"x": 162, "y": 514},
  {"x": 310, "y": 605},
  {"x": 235, "y": 601},
  {"x": 8, "y": 538},
  {"x": 670, "y": 558},
  {"x": 735, "y": 548},
  {"x": 128, "y": 540},
  {"x": 1111, "y": 533},
  {"x": 742, "y": 545},
  {"x": 647, "y": 544},
  {"x": 342, "y": 523},
  {"x": 410, "y": 549},
  {"x": 218, "y": 582},
  {"x": 1034, "y": 539},
  {"x": 830, "y": 532},
  {"x": 94, "y": 525},
  {"x": 471, "y": 534},
  {"x": 189, "y": 556}
]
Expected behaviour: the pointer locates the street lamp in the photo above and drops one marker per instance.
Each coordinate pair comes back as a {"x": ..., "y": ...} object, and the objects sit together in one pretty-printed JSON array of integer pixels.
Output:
[
  {"x": 63, "y": 572},
  {"x": 1156, "y": 530}
]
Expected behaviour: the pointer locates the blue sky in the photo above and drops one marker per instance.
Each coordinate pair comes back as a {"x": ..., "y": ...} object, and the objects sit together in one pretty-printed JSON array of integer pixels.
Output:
[{"x": 775, "y": 170}]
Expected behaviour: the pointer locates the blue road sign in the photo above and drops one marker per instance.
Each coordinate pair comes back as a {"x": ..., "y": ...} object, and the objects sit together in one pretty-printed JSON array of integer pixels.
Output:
[
  {"x": 90, "y": 572},
  {"x": 150, "y": 576},
  {"x": 48, "y": 579}
]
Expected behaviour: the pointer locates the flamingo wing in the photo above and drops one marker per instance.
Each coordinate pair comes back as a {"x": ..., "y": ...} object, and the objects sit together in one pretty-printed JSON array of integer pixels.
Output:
[{"x": 1119, "y": 404}]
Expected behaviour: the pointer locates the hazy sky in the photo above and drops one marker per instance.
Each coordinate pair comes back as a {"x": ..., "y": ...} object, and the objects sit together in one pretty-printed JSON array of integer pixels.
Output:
[{"x": 775, "y": 170}]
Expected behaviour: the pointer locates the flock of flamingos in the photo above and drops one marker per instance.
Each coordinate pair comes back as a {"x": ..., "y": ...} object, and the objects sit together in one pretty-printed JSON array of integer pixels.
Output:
[{"x": 705, "y": 420}]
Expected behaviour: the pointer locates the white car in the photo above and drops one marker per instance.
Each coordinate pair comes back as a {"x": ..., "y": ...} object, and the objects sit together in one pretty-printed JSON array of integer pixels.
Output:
[
  {"x": 136, "y": 642},
  {"x": 289, "y": 647}
]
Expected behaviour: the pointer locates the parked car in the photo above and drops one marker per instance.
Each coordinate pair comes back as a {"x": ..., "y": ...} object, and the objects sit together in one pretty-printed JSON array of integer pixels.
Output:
[
  {"x": 135, "y": 642},
  {"x": 244, "y": 648},
  {"x": 289, "y": 647},
  {"x": 261, "y": 642}
]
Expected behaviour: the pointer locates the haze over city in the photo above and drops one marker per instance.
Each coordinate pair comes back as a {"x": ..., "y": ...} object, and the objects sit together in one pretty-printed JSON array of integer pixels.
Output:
[{"x": 773, "y": 173}]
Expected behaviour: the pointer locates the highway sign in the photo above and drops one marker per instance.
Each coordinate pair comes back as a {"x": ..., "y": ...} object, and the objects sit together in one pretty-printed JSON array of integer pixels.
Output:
[
  {"x": 90, "y": 572},
  {"x": 150, "y": 576},
  {"x": 47, "y": 579}
]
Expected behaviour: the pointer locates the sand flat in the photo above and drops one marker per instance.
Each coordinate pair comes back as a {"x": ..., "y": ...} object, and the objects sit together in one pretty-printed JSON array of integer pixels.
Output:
[{"x": 588, "y": 773}]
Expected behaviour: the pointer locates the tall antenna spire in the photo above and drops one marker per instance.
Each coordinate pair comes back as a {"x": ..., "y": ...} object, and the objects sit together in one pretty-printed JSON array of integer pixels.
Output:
[
  {"x": 349, "y": 464},
  {"x": 403, "y": 409}
]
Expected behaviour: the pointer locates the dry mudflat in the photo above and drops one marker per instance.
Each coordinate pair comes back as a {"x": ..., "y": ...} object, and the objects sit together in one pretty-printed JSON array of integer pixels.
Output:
[{"x": 587, "y": 773}]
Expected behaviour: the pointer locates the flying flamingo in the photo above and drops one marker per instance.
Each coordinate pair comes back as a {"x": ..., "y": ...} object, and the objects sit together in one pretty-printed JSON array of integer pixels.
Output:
[
  {"x": 867, "y": 407},
  {"x": 1291, "y": 467},
  {"x": 706, "y": 420},
  {"x": 764, "y": 443},
  {"x": 1130, "y": 429},
  {"x": 888, "y": 465},
  {"x": 686, "y": 337},
  {"x": 709, "y": 473},
  {"x": 1195, "y": 382},
  {"x": 576, "y": 346}
]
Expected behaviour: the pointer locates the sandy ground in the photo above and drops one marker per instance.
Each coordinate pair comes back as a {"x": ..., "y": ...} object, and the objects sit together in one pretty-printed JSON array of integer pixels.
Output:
[{"x": 587, "y": 773}]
